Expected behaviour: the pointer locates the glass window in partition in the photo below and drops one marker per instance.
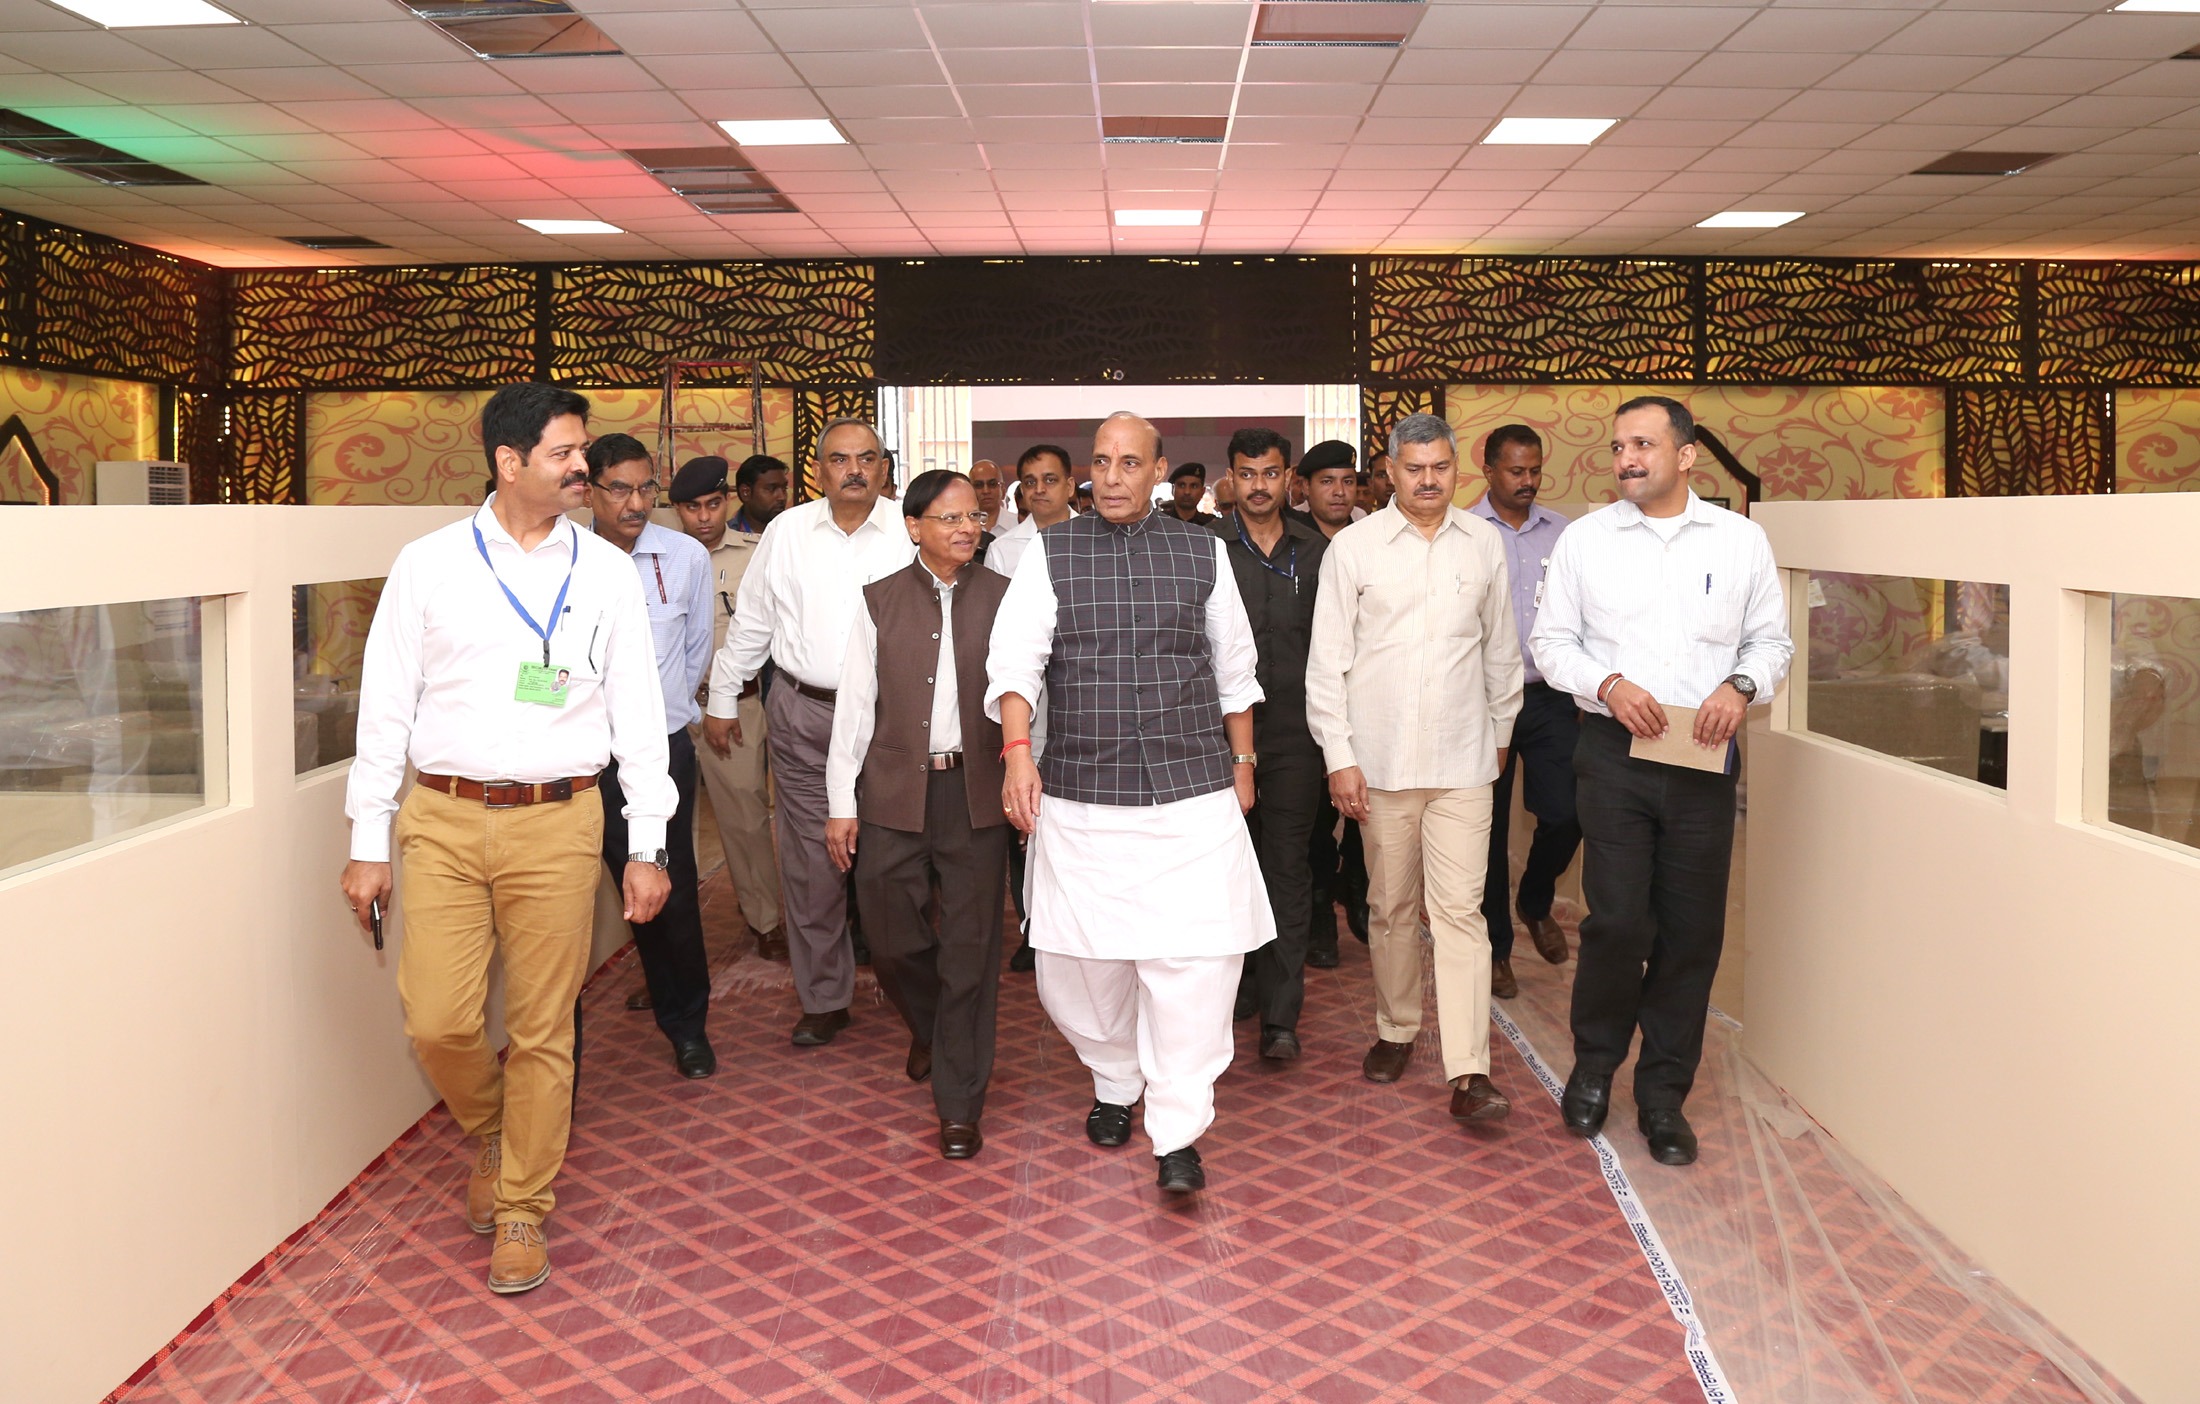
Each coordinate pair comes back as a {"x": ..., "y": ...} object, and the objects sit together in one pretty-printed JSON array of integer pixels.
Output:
[
  {"x": 1911, "y": 668},
  {"x": 328, "y": 627},
  {"x": 2153, "y": 731},
  {"x": 106, "y": 712}
]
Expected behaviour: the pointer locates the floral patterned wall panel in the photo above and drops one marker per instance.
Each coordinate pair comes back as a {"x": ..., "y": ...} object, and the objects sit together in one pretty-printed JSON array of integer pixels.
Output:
[
  {"x": 2158, "y": 441},
  {"x": 77, "y": 420},
  {"x": 423, "y": 447},
  {"x": 1806, "y": 442}
]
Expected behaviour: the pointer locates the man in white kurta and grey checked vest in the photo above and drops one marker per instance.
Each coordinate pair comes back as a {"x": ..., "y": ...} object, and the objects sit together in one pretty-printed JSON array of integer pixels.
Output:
[{"x": 1145, "y": 893}]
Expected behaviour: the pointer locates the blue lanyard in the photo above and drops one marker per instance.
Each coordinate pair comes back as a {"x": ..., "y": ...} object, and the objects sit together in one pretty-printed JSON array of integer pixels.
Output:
[
  {"x": 1290, "y": 572},
  {"x": 557, "y": 606}
]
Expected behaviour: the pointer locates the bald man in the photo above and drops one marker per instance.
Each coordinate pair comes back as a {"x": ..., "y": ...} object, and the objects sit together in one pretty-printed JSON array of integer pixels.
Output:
[
  {"x": 987, "y": 482},
  {"x": 1145, "y": 891}
]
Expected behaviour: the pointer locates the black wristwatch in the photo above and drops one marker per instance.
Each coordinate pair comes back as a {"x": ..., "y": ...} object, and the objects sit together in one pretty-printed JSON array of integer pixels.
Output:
[
  {"x": 660, "y": 860},
  {"x": 1745, "y": 685}
]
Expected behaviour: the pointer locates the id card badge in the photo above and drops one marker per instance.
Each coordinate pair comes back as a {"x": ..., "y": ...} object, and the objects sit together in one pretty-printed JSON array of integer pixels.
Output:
[
  {"x": 1539, "y": 594},
  {"x": 545, "y": 686}
]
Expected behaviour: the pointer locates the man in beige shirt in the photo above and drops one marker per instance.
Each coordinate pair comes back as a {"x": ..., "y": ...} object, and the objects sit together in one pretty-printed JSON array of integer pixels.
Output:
[
  {"x": 737, "y": 781},
  {"x": 1413, "y": 679}
]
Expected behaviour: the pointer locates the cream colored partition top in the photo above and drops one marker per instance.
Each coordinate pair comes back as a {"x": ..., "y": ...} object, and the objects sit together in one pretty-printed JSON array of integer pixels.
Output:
[
  {"x": 1993, "y": 1002},
  {"x": 197, "y": 1047}
]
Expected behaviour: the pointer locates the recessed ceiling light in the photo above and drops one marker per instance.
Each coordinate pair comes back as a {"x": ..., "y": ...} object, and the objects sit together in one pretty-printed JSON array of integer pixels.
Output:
[
  {"x": 571, "y": 226},
  {"x": 1985, "y": 163},
  {"x": 1750, "y": 219},
  {"x": 1335, "y": 24},
  {"x": 94, "y": 160},
  {"x": 1197, "y": 131},
  {"x": 805, "y": 131},
  {"x": 1159, "y": 216},
  {"x": 516, "y": 29},
  {"x": 1547, "y": 131},
  {"x": 2163, "y": 7},
  {"x": 326, "y": 242},
  {"x": 147, "y": 14}
]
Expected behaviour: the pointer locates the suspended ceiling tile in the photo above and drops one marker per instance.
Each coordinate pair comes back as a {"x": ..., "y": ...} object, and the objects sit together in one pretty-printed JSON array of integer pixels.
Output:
[
  {"x": 403, "y": 40},
  {"x": 835, "y": 28},
  {"x": 363, "y": 115},
  {"x": 2128, "y": 36},
  {"x": 1762, "y": 70},
  {"x": 1156, "y": 65},
  {"x": 887, "y": 67},
  {"x": 1834, "y": 105},
  {"x": 1973, "y": 109},
  {"x": 414, "y": 80},
  {"x": 1829, "y": 29},
  {"x": 1030, "y": 100},
  {"x": 1319, "y": 65},
  {"x": 1578, "y": 100},
  {"x": 1478, "y": 27},
  {"x": 1013, "y": 131},
  {"x": 966, "y": 66},
  {"x": 1302, "y": 99},
  {"x": 900, "y": 103},
  {"x": 1168, "y": 99},
  {"x": 1065, "y": 164},
  {"x": 1130, "y": 25},
  {"x": 163, "y": 86},
  {"x": 1598, "y": 67},
  {"x": 720, "y": 72},
  {"x": 721, "y": 30},
  {"x": 1021, "y": 25}
]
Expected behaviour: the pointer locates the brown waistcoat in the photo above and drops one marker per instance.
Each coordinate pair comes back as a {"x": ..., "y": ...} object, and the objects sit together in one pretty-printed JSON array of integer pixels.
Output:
[{"x": 905, "y": 609}]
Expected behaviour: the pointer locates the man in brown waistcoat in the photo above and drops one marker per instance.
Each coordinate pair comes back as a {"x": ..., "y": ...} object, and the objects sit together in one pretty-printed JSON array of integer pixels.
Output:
[{"x": 913, "y": 779}]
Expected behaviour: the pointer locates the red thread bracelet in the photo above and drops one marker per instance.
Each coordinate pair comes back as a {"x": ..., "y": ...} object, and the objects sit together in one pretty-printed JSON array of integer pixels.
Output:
[{"x": 1013, "y": 745}]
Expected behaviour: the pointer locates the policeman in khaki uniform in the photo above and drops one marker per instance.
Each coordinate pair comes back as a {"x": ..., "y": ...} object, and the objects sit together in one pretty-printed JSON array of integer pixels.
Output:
[{"x": 738, "y": 784}]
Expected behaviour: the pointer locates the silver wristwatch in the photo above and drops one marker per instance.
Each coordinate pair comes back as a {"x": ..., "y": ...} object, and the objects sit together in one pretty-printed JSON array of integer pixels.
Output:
[
  {"x": 1745, "y": 685},
  {"x": 660, "y": 860}
]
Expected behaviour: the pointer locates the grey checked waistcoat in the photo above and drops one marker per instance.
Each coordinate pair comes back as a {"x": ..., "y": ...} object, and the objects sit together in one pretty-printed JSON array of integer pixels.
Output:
[{"x": 1134, "y": 714}]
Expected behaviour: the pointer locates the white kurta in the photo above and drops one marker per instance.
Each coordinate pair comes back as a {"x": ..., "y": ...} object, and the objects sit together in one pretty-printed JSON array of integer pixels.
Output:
[{"x": 1135, "y": 882}]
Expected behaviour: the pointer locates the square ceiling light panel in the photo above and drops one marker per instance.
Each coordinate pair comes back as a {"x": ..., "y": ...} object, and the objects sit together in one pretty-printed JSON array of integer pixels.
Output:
[
  {"x": 1547, "y": 131},
  {"x": 1335, "y": 24},
  {"x": 1159, "y": 217},
  {"x": 2162, "y": 7},
  {"x": 571, "y": 226},
  {"x": 327, "y": 242},
  {"x": 148, "y": 14},
  {"x": 804, "y": 131},
  {"x": 516, "y": 29},
  {"x": 94, "y": 160},
  {"x": 1180, "y": 131},
  {"x": 1750, "y": 219},
  {"x": 715, "y": 179},
  {"x": 1985, "y": 163}
]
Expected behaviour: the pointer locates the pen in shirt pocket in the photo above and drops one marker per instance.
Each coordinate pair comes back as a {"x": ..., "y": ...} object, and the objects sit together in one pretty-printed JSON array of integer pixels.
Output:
[{"x": 1707, "y": 582}]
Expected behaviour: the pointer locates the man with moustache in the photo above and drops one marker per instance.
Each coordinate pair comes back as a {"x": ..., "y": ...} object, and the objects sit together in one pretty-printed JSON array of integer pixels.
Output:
[
  {"x": 1412, "y": 684},
  {"x": 1278, "y": 564},
  {"x": 913, "y": 779},
  {"x": 1187, "y": 485},
  {"x": 740, "y": 803},
  {"x": 1044, "y": 475},
  {"x": 1659, "y": 600},
  {"x": 1378, "y": 480},
  {"x": 500, "y": 834},
  {"x": 1145, "y": 891},
  {"x": 1545, "y": 732},
  {"x": 796, "y": 606},
  {"x": 986, "y": 481},
  {"x": 1331, "y": 485},
  {"x": 675, "y": 577}
]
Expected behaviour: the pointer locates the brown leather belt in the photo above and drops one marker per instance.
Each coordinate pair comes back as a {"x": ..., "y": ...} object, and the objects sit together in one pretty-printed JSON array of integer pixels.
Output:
[
  {"x": 945, "y": 760},
  {"x": 509, "y": 794},
  {"x": 815, "y": 694}
]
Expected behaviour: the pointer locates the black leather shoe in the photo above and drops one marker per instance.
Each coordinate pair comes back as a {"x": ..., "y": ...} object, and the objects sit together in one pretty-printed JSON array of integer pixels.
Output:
[
  {"x": 1279, "y": 1045},
  {"x": 1108, "y": 1124},
  {"x": 694, "y": 1058},
  {"x": 1323, "y": 958},
  {"x": 812, "y": 1030},
  {"x": 960, "y": 1140},
  {"x": 863, "y": 952},
  {"x": 1244, "y": 1009},
  {"x": 919, "y": 1066},
  {"x": 1672, "y": 1140},
  {"x": 1355, "y": 918},
  {"x": 1025, "y": 960},
  {"x": 1181, "y": 1172},
  {"x": 1587, "y": 1102},
  {"x": 639, "y": 999}
]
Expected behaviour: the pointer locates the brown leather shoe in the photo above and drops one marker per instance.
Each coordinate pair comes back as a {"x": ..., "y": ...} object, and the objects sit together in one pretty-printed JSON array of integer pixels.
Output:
[
  {"x": 772, "y": 944},
  {"x": 481, "y": 1187},
  {"x": 521, "y": 1260},
  {"x": 1476, "y": 1098},
  {"x": 960, "y": 1140},
  {"x": 813, "y": 1029},
  {"x": 1502, "y": 983},
  {"x": 1549, "y": 938},
  {"x": 920, "y": 1061},
  {"x": 639, "y": 999},
  {"x": 1386, "y": 1061}
]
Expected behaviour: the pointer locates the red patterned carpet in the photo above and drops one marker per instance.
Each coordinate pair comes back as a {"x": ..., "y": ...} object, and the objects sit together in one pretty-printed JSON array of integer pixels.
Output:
[{"x": 785, "y": 1231}]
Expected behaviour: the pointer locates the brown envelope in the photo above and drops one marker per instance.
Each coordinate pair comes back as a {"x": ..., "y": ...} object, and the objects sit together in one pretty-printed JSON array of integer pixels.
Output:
[{"x": 1678, "y": 745}]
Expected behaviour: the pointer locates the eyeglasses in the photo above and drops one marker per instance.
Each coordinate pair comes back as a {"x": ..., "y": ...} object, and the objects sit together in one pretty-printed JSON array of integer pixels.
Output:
[
  {"x": 619, "y": 492},
  {"x": 956, "y": 519}
]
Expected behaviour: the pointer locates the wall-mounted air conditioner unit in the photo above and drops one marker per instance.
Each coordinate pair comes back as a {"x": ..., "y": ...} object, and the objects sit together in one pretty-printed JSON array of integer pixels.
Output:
[{"x": 140, "y": 483}]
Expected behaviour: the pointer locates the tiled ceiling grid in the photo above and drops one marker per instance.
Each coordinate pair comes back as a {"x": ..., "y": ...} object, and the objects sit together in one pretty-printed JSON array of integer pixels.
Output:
[{"x": 975, "y": 129}]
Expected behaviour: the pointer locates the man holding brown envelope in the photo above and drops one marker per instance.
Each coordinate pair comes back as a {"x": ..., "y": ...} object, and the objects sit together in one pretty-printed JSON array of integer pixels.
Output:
[{"x": 1662, "y": 615}]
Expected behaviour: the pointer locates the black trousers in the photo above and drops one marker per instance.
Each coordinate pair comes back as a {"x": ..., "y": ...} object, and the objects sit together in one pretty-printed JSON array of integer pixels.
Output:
[
  {"x": 1544, "y": 738},
  {"x": 1287, "y": 794},
  {"x": 1339, "y": 868},
  {"x": 1660, "y": 841},
  {"x": 670, "y": 943},
  {"x": 946, "y": 983}
]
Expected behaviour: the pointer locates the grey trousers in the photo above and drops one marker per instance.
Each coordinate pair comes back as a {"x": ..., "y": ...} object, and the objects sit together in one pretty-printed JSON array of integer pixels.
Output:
[
  {"x": 813, "y": 893},
  {"x": 946, "y": 983}
]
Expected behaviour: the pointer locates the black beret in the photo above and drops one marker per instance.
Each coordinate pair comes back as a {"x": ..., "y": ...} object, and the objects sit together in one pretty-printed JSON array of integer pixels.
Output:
[
  {"x": 1188, "y": 470},
  {"x": 699, "y": 477},
  {"x": 1329, "y": 453}
]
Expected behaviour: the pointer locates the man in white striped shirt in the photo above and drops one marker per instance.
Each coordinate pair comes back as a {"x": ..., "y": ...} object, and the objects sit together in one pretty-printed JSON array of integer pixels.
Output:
[{"x": 1659, "y": 600}]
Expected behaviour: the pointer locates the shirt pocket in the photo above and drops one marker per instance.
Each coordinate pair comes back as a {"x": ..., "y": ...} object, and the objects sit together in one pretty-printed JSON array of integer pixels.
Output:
[
  {"x": 1715, "y": 613},
  {"x": 666, "y": 626}
]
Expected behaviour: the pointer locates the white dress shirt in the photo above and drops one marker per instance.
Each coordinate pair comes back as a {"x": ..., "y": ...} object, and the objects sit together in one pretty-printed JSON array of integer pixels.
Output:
[
  {"x": 442, "y": 663},
  {"x": 1527, "y": 557},
  {"x": 1413, "y": 671},
  {"x": 677, "y": 577},
  {"x": 855, "y": 712},
  {"x": 801, "y": 595},
  {"x": 1007, "y": 550},
  {"x": 1675, "y": 617}
]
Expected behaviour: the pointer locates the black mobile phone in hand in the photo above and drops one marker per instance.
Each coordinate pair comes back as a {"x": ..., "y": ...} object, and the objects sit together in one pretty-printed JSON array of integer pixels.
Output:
[{"x": 374, "y": 915}]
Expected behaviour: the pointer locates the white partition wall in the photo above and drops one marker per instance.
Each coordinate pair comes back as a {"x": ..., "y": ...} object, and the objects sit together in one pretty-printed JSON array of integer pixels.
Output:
[
  {"x": 197, "y": 1048},
  {"x": 1990, "y": 996}
]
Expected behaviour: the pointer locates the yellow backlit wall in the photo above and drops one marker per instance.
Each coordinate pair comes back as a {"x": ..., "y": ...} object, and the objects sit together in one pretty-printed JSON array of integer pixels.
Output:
[
  {"x": 77, "y": 420},
  {"x": 2158, "y": 441}
]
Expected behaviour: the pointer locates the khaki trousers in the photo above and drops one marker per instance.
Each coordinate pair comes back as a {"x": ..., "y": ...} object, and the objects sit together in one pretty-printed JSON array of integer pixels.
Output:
[
  {"x": 1438, "y": 840},
  {"x": 741, "y": 805},
  {"x": 520, "y": 883}
]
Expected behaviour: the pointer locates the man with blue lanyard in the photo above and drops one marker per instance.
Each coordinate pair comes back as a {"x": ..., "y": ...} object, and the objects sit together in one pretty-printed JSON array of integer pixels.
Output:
[
  {"x": 1277, "y": 562},
  {"x": 675, "y": 573},
  {"x": 500, "y": 837}
]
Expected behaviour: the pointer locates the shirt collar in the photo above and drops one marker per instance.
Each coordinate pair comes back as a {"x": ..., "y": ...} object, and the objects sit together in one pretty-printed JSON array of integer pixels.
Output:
[
  {"x": 655, "y": 540},
  {"x": 885, "y": 513},
  {"x": 1454, "y": 517},
  {"x": 493, "y": 530},
  {"x": 1627, "y": 514},
  {"x": 1136, "y": 528},
  {"x": 1538, "y": 514}
]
